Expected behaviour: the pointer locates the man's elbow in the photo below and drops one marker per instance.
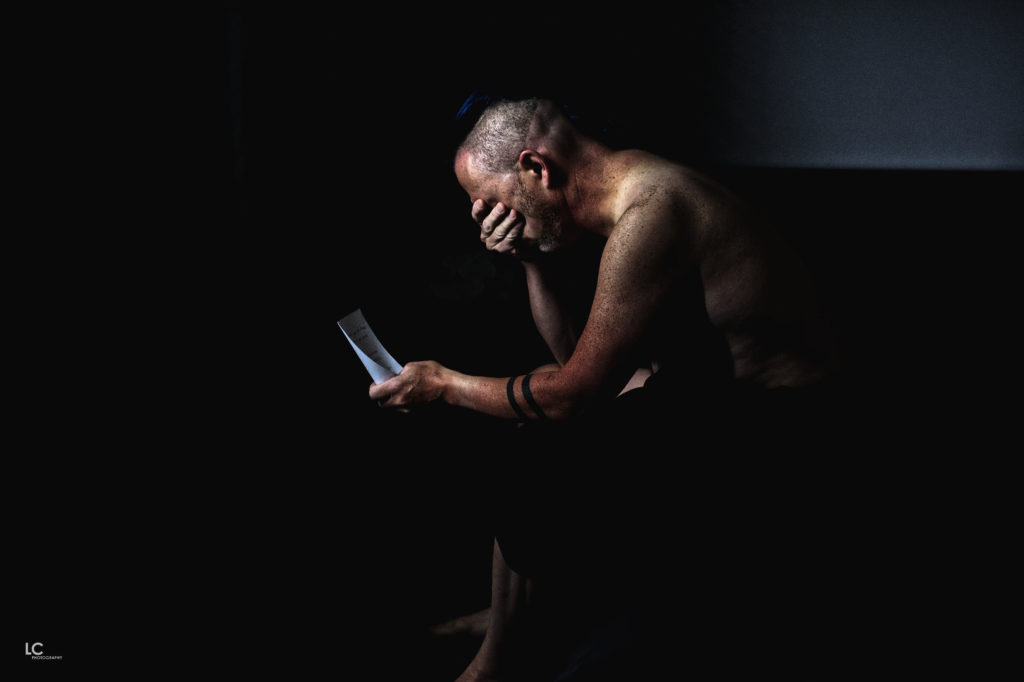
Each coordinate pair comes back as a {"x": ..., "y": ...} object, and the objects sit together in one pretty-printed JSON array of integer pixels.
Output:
[
  {"x": 566, "y": 395},
  {"x": 559, "y": 412},
  {"x": 568, "y": 407}
]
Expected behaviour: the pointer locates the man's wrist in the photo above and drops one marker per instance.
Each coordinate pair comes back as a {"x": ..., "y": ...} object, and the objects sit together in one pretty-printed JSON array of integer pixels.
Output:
[
  {"x": 449, "y": 386},
  {"x": 539, "y": 261}
]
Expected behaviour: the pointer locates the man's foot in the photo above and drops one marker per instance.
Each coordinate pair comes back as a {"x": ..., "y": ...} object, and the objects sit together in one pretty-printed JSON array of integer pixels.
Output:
[
  {"x": 475, "y": 625},
  {"x": 474, "y": 673}
]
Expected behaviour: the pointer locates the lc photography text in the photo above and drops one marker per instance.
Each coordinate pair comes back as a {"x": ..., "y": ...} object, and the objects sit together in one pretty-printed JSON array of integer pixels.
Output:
[{"x": 35, "y": 651}]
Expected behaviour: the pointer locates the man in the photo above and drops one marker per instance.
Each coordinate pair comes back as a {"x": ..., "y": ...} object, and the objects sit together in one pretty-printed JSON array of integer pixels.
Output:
[
  {"x": 681, "y": 254},
  {"x": 697, "y": 304}
]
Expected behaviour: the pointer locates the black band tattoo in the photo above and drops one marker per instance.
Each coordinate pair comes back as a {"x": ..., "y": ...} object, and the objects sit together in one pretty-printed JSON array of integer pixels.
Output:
[
  {"x": 512, "y": 399},
  {"x": 528, "y": 394}
]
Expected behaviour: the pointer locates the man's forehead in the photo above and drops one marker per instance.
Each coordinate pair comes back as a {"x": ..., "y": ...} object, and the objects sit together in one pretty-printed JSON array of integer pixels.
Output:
[
  {"x": 468, "y": 169},
  {"x": 478, "y": 182}
]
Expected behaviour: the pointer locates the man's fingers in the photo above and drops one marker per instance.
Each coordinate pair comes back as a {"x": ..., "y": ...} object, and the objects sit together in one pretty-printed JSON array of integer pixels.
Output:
[
  {"x": 487, "y": 217},
  {"x": 509, "y": 233},
  {"x": 383, "y": 390},
  {"x": 503, "y": 228},
  {"x": 377, "y": 394},
  {"x": 500, "y": 226},
  {"x": 480, "y": 210},
  {"x": 494, "y": 219},
  {"x": 383, "y": 397},
  {"x": 392, "y": 394},
  {"x": 507, "y": 241}
]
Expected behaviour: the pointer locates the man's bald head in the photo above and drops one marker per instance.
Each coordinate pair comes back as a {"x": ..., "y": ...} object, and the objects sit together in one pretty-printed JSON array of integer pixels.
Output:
[{"x": 499, "y": 135}]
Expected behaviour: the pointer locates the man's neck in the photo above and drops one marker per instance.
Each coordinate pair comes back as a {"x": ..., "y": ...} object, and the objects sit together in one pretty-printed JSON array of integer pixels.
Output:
[{"x": 590, "y": 190}]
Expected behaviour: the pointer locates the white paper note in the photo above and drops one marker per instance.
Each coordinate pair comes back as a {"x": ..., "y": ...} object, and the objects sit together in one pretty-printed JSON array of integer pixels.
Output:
[{"x": 378, "y": 362}]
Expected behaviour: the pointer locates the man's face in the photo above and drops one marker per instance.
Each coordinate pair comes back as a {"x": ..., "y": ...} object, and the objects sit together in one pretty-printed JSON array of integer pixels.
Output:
[{"x": 545, "y": 220}]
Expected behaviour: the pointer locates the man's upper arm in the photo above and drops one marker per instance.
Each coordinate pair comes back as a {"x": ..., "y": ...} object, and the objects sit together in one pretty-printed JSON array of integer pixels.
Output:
[{"x": 641, "y": 260}]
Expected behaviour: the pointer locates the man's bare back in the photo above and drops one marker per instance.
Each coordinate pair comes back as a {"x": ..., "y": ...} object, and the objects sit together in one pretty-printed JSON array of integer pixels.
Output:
[{"x": 756, "y": 292}]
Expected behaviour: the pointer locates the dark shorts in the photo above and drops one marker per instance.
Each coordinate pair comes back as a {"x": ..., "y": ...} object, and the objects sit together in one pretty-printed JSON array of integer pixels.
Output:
[
  {"x": 733, "y": 520},
  {"x": 662, "y": 469}
]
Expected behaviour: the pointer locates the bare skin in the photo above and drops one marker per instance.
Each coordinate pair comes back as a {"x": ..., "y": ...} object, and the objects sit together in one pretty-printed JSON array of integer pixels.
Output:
[
  {"x": 662, "y": 222},
  {"x": 511, "y": 594}
]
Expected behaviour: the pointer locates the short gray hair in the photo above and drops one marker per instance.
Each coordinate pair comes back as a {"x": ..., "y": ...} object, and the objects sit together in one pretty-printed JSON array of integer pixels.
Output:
[{"x": 500, "y": 134}]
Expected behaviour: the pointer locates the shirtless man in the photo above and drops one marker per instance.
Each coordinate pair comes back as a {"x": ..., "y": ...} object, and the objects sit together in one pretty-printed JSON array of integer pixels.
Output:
[
  {"x": 690, "y": 284},
  {"x": 536, "y": 188}
]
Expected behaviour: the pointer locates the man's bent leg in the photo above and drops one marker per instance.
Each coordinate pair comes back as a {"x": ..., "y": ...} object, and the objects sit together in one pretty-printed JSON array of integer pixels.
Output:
[{"x": 507, "y": 642}]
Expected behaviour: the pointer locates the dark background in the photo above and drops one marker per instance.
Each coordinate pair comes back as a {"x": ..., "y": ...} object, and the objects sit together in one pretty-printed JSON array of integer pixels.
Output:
[{"x": 201, "y": 192}]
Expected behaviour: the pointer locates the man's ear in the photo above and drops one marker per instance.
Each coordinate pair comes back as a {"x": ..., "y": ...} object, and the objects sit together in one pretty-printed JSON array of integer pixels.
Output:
[{"x": 534, "y": 164}]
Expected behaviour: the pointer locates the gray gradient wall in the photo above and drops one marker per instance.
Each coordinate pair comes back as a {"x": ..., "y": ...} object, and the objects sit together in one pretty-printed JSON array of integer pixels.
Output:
[{"x": 915, "y": 84}]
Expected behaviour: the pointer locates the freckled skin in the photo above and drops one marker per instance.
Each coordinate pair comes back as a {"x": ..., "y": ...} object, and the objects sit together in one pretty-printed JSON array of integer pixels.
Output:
[{"x": 671, "y": 235}]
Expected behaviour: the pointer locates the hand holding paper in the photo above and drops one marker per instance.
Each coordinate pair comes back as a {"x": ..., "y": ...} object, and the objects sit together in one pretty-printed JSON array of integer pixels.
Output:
[{"x": 378, "y": 362}]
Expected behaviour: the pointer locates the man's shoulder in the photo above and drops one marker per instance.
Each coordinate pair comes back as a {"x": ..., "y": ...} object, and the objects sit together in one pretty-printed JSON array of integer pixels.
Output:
[
  {"x": 645, "y": 177},
  {"x": 650, "y": 185}
]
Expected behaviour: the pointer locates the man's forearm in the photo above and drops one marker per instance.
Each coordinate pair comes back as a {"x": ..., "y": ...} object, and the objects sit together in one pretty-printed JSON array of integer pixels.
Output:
[
  {"x": 548, "y": 313},
  {"x": 524, "y": 397}
]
